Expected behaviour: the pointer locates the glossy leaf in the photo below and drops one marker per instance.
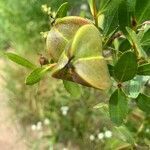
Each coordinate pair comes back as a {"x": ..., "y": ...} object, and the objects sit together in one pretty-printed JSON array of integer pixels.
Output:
[
  {"x": 126, "y": 67},
  {"x": 118, "y": 106},
  {"x": 62, "y": 10},
  {"x": 111, "y": 17},
  {"x": 143, "y": 102},
  {"x": 73, "y": 88},
  {"x": 37, "y": 74},
  {"x": 101, "y": 105},
  {"x": 142, "y": 10},
  {"x": 123, "y": 16},
  {"x": 20, "y": 60},
  {"x": 135, "y": 42},
  {"x": 92, "y": 4},
  {"x": 144, "y": 69},
  {"x": 103, "y": 4}
]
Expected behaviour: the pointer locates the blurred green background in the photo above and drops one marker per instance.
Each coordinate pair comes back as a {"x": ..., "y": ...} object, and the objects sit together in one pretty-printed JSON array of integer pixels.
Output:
[
  {"x": 22, "y": 21},
  {"x": 47, "y": 113}
]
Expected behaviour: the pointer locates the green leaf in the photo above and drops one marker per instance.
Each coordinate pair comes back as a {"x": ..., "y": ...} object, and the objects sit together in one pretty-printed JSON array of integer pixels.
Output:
[
  {"x": 135, "y": 42},
  {"x": 142, "y": 10},
  {"x": 145, "y": 40},
  {"x": 123, "y": 16},
  {"x": 124, "y": 45},
  {"x": 124, "y": 134},
  {"x": 118, "y": 107},
  {"x": 91, "y": 4},
  {"x": 20, "y": 60},
  {"x": 101, "y": 105},
  {"x": 37, "y": 74},
  {"x": 103, "y": 5},
  {"x": 73, "y": 88},
  {"x": 111, "y": 70},
  {"x": 62, "y": 10},
  {"x": 135, "y": 86},
  {"x": 143, "y": 102},
  {"x": 146, "y": 89},
  {"x": 111, "y": 17},
  {"x": 131, "y": 7},
  {"x": 126, "y": 67},
  {"x": 144, "y": 69}
]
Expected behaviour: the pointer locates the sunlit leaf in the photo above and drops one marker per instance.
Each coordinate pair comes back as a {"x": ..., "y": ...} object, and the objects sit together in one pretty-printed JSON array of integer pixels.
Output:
[
  {"x": 37, "y": 74},
  {"x": 101, "y": 105},
  {"x": 73, "y": 88},
  {"x": 20, "y": 60},
  {"x": 135, "y": 42},
  {"x": 62, "y": 10},
  {"x": 92, "y": 4}
]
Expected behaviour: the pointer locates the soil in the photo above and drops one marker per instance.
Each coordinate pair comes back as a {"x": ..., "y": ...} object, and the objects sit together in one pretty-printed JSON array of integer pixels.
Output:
[{"x": 10, "y": 132}]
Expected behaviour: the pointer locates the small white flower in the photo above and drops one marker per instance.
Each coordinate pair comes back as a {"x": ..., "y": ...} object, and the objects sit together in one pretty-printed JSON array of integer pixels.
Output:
[
  {"x": 46, "y": 121},
  {"x": 64, "y": 110},
  {"x": 92, "y": 137},
  {"x": 39, "y": 125},
  {"x": 64, "y": 113},
  {"x": 65, "y": 148},
  {"x": 100, "y": 136},
  {"x": 108, "y": 134},
  {"x": 33, "y": 127}
]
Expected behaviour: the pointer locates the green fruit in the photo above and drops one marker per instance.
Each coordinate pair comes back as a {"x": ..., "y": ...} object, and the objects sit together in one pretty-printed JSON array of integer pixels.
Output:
[
  {"x": 78, "y": 53},
  {"x": 61, "y": 33}
]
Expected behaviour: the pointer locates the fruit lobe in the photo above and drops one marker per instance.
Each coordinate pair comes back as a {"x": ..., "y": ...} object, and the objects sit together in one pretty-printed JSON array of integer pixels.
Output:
[{"x": 62, "y": 33}]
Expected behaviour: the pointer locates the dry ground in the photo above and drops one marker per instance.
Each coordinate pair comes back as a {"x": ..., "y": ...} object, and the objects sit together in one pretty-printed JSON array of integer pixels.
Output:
[{"x": 10, "y": 132}]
